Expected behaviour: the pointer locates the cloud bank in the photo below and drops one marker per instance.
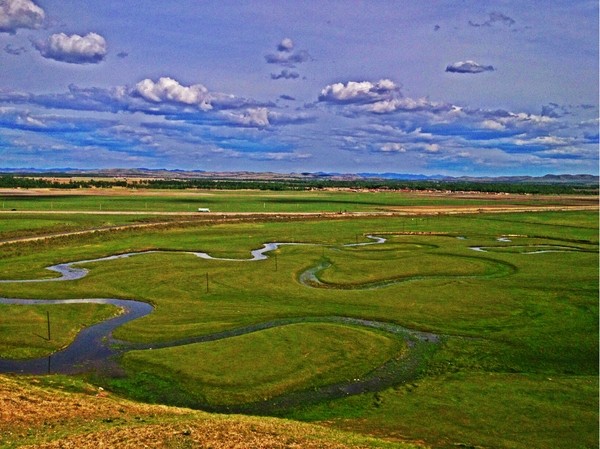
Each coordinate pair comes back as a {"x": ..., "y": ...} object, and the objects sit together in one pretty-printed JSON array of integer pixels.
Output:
[{"x": 169, "y": 121}]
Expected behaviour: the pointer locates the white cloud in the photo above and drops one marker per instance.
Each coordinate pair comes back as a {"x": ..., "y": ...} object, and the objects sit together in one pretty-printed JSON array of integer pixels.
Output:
[
  {"x": 522, "y": 119},
  {"x": 286, "y": 56},
  {"x": 356, "y": 92},
  {"x": 550, "y": 141},
  {"x": 431, "y": 148},
  {"x": 493, "y": 124},
  {"x": 400, "y": 104},
  {"x": 15, "y": 14},
  {"x": 74, "y": 49},
  {"x": 11, "y": 116},
  {"x": 286, "y": 45},
  {"x": 169, "y": 90},
  {"x": 393, "y": 147},
  {"x": 468, "y": 67},
  {"x": 273, "y": 156},
  {"x": 251, "y": 117}
]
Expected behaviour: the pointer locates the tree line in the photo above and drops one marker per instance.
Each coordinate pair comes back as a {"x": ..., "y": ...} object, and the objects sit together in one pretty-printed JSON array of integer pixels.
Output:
[{"x": 11, "y": 181}]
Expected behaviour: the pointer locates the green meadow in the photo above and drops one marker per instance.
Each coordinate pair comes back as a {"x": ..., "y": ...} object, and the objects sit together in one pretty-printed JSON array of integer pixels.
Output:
[
  {"x": 512, "y": 300},
  {"x": 129, "y": 200}
]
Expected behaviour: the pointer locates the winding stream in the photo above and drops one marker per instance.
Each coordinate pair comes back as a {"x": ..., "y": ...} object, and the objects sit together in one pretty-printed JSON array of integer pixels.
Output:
[
  {"x": 94, "y": 348},
  {"x": 68, "y": 271},
  {"x": 91, "y": 349}
]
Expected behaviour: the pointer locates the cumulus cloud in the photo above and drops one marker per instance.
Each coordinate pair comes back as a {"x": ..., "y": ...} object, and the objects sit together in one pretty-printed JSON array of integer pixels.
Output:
[
  {"x": 468, "y": 67},
  {"x": 169, "y": 90},
  {"x": 253, "y": 117},
  {"x": 494, "y": 17},
  {"x": 381, "y": 97},
  {"x": 286, "y": 45},
  {"x": 285, "y": 74},
  {"x": 74, "y": 49},
  {"x": 15, "y": 14},
  {"x": 359, "y": 92},
  {"x": 505, "y": 120},
  {"x": 286, "y": 56},
  {"x": 168, "y": 95},
  {"x": 165, "y": 96}
]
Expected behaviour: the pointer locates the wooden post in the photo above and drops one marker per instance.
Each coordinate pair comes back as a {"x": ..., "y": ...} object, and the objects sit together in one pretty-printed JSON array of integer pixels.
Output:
[{"x": 48, "y": 321}]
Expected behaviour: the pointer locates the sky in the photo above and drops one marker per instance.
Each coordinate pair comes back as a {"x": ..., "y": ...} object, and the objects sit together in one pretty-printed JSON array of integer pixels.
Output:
[{"x": 449, "y": 87}]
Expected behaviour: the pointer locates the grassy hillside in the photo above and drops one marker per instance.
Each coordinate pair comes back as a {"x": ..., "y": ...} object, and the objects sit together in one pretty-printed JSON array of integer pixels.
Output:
[{"x": 59, "y": 412}]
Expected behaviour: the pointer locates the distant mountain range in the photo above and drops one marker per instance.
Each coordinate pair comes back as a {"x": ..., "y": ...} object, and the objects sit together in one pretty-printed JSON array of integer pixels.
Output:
[{"x": 246, "y": 175}]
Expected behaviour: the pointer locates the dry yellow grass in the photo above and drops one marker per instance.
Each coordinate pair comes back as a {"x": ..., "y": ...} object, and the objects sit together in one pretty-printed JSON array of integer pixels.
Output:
[{"x": 40, "y": 413}]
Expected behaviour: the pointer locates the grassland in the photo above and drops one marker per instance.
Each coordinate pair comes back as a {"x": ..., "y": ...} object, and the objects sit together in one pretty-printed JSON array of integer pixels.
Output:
[
  {"x": 30, "y": 324},
  {"x": 188, "y": 201},
  {"x": 517, "y": 362},
  {"x": 59, "y": 412}
]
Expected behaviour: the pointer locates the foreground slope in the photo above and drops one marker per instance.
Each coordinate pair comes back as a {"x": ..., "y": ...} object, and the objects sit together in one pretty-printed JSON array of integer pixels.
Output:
[{"x": 58, "y": 412}]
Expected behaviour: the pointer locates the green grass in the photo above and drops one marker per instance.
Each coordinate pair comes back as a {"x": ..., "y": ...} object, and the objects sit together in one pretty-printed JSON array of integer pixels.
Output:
[
  {"x": 24, "y": 329},
  {"x": 15, "y": 225},
  {"x": 511, "y": 411},
  {"x": 348, "y": 271},
  {"x": 509, "y": 321},
  {"x": 250, "y": 201},
  {"x": 261, "y": 365}
]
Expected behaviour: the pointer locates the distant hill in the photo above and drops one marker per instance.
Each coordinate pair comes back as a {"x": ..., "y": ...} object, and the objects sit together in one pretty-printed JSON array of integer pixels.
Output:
[{"x": 586, "y": 179}]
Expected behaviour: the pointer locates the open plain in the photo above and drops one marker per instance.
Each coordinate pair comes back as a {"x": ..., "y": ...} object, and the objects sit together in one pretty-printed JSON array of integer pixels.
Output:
[{"x": 387, "y": 319}]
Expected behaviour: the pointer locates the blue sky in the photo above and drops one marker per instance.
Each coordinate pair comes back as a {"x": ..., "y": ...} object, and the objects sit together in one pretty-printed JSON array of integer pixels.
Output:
[{"x": 469, "y": 87}]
